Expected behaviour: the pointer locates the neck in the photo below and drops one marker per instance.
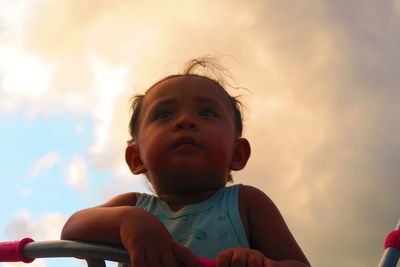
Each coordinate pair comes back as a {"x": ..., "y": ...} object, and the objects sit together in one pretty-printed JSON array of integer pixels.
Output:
[{"x": 176, "y": 201}]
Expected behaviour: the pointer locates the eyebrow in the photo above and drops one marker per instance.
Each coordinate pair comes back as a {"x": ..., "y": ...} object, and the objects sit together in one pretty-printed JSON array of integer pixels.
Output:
[
  {"x": 203, "y": 99},
  {"x": 163, "y": 102},
  {"x": 200, "y": 99}
]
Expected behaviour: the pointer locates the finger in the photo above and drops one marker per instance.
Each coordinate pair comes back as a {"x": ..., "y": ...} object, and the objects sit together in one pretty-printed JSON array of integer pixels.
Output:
[
  {"x": 168, "y": 259},
  {"x": 184, "y": 255},
  {"x": 152, "y": 258},
  {"x": 267, "y": 262},
  {"x": 137, "y": 258},
  {"x": 239, "y": 259},
  {"x": 224, "y": 258},
  {"x": 255, "y": 260}
]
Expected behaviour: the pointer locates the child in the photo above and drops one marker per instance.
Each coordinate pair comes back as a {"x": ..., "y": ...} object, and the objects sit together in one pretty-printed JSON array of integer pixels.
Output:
[{"x": 186, "y": 138}]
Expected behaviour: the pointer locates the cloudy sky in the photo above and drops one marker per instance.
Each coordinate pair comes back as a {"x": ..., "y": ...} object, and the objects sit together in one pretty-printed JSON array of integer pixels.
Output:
[{"x": 322, "y": 111}]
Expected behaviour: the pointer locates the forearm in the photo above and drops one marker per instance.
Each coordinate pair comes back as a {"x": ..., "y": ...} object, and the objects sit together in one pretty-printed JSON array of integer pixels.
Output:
[
  {"x": 142, "y": 234},
  {"x": 286, "y": 263},
  {"x": 99, "y": 223}
]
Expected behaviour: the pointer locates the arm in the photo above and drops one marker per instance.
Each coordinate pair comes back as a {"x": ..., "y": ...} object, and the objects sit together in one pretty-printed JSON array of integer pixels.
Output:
[
  {"x": 88, "y": 223},
  {"x": 141, "y": 233},
  {"x": 271, "y": 242}
]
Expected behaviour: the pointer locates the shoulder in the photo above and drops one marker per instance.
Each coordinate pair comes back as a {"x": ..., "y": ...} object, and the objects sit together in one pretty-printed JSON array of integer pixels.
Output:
[
  {"x": 257, "y": 205},
  {"x": 268, "y": 231},
  {"x": 253, "y": 203},
  {"x": 126, "y": 199},
  {"x": 259, "y": 208},
  {"x": 250, "y": 196}
]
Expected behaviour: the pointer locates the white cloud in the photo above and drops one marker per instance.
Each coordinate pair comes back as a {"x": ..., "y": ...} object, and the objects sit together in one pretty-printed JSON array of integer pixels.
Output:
[
  {"x": 77, "y": 176},
  {"x": 46, "y": 227},
  {"x": 119, "y": 186},
  {"x": 79, "y": 129},
  {"x": 26, "y": 192},
  {"x": 35, "y": 263},
  {"x": 23, "y": 224},
  {"x": 43, "y": 164},
  {"x": 109, "y": 82}
]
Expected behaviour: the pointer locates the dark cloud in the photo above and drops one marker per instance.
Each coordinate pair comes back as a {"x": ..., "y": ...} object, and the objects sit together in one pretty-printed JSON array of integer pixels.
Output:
[{"x": 337, "y": 142}]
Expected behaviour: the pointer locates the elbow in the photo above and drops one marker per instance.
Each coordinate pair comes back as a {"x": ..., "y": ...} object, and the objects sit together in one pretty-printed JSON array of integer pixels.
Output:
[
  {"x": 68, "y": 231},
  {"x": 65, "y": 232}
]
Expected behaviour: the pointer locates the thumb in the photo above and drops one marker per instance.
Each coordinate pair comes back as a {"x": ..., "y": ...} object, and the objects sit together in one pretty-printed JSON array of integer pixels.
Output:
[{"x": 185, "y": 257}]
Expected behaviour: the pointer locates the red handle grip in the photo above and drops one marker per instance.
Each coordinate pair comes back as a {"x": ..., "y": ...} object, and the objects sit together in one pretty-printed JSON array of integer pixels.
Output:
[
  {"x": 393, "y": 240},
  {"x": 204, "y": 263},
  {"x": 12, "y": 251},
  {"x": 207, "y": 262}
]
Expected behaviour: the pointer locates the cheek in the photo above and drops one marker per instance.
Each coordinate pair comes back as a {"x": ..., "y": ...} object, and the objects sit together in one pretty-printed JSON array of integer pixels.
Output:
[
  {"x": 142, "y": 144},
  {"x": 222, "y": 148},
  {"x": 223, "y": 138},
  {"x": 149, "y": 150}
]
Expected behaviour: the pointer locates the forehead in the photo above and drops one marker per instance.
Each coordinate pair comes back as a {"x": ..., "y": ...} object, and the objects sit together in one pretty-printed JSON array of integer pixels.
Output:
[{"x": 190, "y": 87}]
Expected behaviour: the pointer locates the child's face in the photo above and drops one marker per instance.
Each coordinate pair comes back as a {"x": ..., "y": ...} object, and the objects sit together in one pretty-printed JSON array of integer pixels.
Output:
[{"x": 187, "y": 135}]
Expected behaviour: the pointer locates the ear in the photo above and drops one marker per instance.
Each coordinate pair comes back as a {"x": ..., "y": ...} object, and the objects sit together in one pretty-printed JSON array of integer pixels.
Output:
[
  {"x": 133, "y": 159},
  {"x": 241, "y": 154}
]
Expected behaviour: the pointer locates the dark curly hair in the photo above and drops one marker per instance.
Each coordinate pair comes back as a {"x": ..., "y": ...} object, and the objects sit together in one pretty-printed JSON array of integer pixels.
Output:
[{"x": 206, "y": 63}]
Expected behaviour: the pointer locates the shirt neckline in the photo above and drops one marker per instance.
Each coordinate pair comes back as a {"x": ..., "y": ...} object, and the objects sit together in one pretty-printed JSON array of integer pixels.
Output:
[{"x": 191, "y": 208}]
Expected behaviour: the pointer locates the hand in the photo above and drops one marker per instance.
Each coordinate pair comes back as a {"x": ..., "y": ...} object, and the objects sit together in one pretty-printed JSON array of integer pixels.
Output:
[
  {"x": 241, "y": 257},
  {"x": 150, "y": 244}
]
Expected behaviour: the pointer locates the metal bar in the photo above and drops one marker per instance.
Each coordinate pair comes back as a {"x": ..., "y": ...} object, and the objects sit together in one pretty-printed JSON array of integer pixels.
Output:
[
  {"x": 391, "y": 255},
  {"x": 390, "y": 258},
  {"x": 77, "y": 249},
  {"x": 95, "y": 263},
  {"x": 95, "y": 253}
]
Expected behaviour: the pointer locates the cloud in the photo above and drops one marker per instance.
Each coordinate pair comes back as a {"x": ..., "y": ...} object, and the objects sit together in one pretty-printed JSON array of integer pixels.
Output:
[
  {"x": 23, "y": 224},
  {"x": 46, "y": 227},
  {"x": 79, "y": 129},
  {"x": 26, "y": 192},
  {"x": 119, "y": 186},
  {"x": 77, "y": 176},
  {"x": 322, "y": 113},
  {"x": 330, "y": 148},
  {"x": 43, "y": 164},
  {"x": 35, "y": 263}
]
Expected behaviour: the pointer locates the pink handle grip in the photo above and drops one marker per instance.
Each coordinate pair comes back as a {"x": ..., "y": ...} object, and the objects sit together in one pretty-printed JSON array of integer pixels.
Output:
[
  {"x": 393, "y": 240},
  {"x": 207, "y": 262},
  {"x": 204, "y": 263},
  {"x": 12, "y": 251}
]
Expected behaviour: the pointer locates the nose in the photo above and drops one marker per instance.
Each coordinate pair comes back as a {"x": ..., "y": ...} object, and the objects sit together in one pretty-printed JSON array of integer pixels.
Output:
[{"x": 185, "y": 121}]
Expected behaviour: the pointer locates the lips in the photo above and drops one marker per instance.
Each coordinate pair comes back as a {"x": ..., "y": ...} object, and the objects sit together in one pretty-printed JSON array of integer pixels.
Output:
[{"x": 185, "y": 140}]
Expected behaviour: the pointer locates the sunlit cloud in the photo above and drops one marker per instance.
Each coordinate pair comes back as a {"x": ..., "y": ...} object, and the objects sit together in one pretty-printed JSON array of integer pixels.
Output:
[
  {"x": 77, "y": 176},
  {"x": 110, "y": 84},
  {"x": 43, "y": 164}
]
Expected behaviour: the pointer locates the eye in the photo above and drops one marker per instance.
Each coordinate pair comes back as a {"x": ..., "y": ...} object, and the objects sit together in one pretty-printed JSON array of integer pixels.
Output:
[
  {"x": 162, "y": 114},
  {"x": 208, "y": 113}
]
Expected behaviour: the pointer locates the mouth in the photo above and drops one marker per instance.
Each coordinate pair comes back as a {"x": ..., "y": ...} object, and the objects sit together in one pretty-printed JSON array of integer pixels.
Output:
[{"x": 185, "y": 141}]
